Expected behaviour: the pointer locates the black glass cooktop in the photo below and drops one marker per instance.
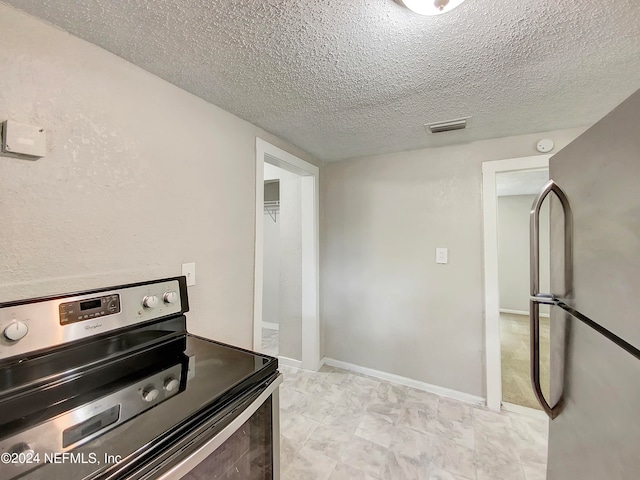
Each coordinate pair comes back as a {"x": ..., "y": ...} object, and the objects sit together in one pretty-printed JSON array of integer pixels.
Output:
[{"x": 208, "y": 376}]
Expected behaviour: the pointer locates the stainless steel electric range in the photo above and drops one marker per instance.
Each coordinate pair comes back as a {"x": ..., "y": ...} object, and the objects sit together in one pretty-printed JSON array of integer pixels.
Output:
[{"x": 108, "y": 384}]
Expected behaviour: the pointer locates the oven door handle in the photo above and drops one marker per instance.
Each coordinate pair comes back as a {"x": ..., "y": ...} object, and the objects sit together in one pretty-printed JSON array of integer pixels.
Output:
[{"x": 194, "y": 459}]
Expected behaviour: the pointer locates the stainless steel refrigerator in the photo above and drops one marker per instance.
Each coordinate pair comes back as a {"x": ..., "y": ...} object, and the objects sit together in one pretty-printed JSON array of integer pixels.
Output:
[{"x": 594, "y": 433}]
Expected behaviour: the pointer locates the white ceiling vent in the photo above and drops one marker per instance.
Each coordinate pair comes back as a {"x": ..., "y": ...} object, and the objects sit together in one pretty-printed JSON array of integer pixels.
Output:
[{"x": 448, "y": 126}]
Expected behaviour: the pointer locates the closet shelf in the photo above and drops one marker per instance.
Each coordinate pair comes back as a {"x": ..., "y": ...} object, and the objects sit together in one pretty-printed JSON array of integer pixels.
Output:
[{"x": 272, "y": 207}]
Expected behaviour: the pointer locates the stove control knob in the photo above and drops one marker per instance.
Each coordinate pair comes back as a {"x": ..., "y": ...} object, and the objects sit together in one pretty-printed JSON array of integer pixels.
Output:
[
  {"x": 15, "y": 331},
  {"x": 22, "y": 448},
  {"x": 170, "y": 297},
  {"x": 149, "y": 394},
  {"x": 170, "y": 384},
  {"x": 150, "y": 301}
]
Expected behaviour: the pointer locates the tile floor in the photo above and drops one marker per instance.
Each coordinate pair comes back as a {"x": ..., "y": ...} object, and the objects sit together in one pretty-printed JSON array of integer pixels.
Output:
[
  {"x": 338, "y": 425},
  {"x": 514, "y": 344}
]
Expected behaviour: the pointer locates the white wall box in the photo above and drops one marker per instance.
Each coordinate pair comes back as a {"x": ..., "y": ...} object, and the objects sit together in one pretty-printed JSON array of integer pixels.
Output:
[{"x": 22, "y": 139}]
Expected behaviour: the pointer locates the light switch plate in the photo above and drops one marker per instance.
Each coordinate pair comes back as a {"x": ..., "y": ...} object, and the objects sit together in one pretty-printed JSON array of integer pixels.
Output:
[
  {"x": 189, "y": 271},
  {"x": 442, "y": 255}
]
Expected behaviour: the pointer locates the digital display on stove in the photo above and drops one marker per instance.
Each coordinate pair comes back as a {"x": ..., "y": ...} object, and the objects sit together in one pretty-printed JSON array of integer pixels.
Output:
[
  {"x": 80, "y": 310},
  {"x": 91, "y": 304}
]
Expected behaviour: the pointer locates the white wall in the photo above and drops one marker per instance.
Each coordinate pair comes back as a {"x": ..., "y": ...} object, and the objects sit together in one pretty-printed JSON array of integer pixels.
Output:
[
  {"x": 271, "y": 272},
  {"x": 290, "y": 266},
  {"x": 271, "y": 257},
  {"x": 386, "y": 304},
  {"x": 139, "y": 177},
  {"x": 513, "y": 251}
]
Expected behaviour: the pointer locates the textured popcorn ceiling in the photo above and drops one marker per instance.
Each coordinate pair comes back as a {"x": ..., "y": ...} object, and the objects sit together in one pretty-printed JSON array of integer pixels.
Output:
[{"x": 348, "y": 78}]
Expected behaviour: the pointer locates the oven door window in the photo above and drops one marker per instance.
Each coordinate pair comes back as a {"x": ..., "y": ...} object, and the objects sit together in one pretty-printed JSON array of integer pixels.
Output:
[{"x": 246, "y": 455}]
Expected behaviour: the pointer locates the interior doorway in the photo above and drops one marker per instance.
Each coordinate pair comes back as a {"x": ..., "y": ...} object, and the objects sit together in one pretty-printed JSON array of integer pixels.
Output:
[
  {"x": 273, "y": 249},
  {"x": 287, "y": 327},
  {"x": 516, "y": 192},
  {"x": 494, "y": 358}
]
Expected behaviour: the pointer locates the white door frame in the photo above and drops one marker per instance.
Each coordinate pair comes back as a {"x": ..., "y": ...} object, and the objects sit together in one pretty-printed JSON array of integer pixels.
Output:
[
  {"x": 265, "y": 152},
  {"x": 491, "y": 285}
]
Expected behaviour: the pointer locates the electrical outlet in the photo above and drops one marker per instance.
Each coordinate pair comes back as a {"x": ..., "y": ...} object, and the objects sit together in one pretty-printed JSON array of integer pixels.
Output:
[{"x": 189, "y": 271}]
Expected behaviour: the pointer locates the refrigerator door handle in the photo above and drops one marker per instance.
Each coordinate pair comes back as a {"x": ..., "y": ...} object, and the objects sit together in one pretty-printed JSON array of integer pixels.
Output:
[
  {"x": 536, "y": 297},
  {"x": 534, "y": 316}
]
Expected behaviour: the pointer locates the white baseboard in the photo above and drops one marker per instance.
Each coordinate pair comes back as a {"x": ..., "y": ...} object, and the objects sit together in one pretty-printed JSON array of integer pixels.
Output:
[
  {"x": 409, "y": 382},
  {"x": 531, "y": 412},
  {"x": 521, "y": 312},
  {"x": 289, "y": 362},
  {"x": 271, "y": 326}
]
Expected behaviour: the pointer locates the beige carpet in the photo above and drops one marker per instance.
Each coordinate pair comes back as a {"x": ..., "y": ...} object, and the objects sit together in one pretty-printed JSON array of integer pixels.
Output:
[{"x": 514, "y": 341}]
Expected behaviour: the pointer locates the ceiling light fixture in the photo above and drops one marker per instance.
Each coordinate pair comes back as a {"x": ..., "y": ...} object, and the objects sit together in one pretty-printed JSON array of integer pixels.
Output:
[{"x": 430, "y": 7}]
